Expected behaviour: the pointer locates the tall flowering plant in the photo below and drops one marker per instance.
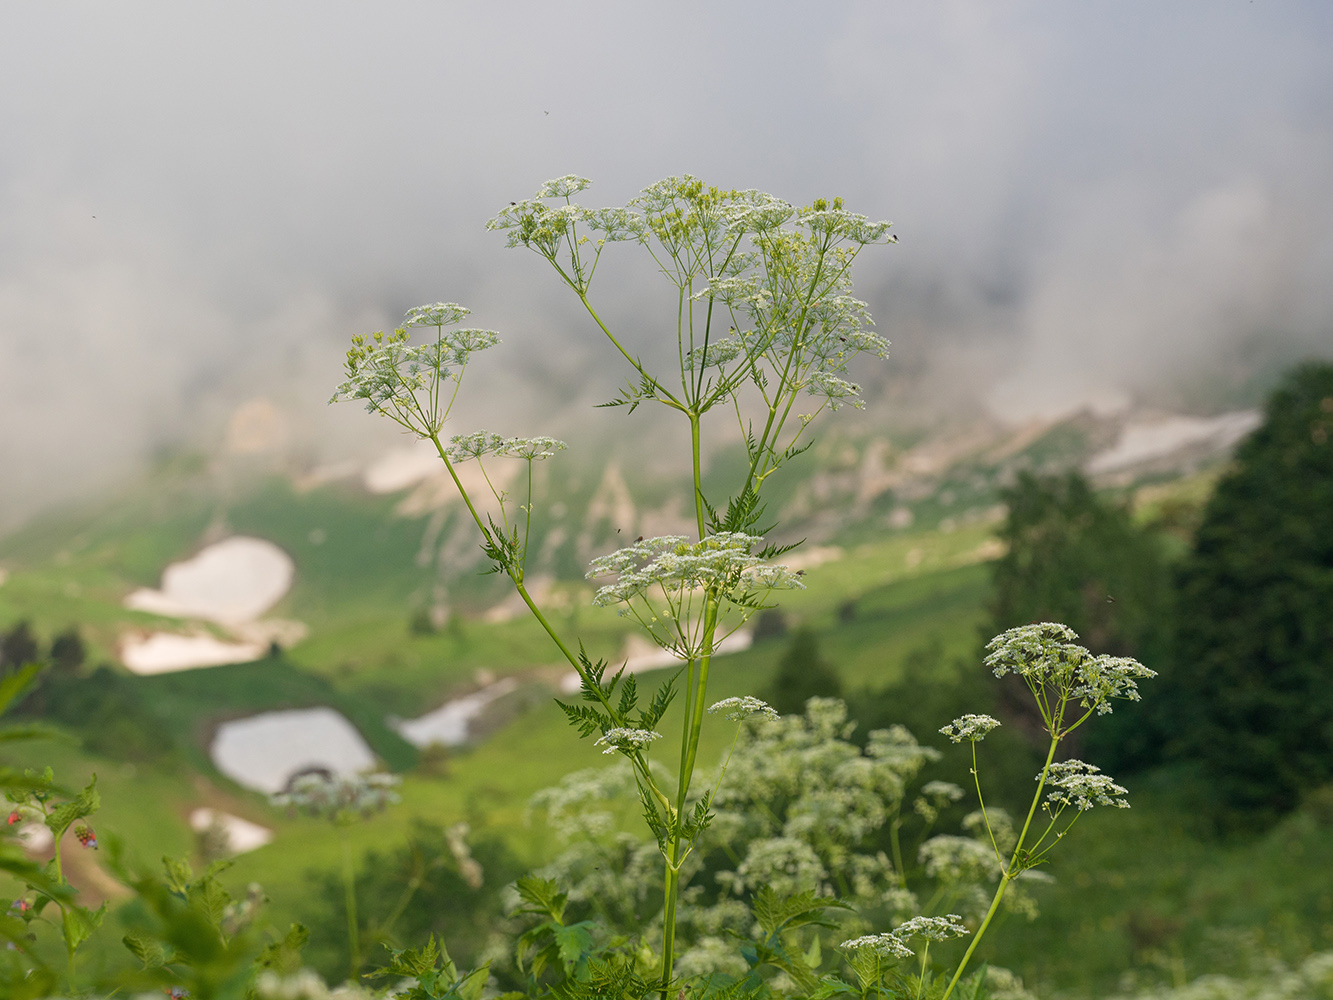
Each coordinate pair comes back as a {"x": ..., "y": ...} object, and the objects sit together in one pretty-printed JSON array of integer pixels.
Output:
[{"x": 766, "y": 327}]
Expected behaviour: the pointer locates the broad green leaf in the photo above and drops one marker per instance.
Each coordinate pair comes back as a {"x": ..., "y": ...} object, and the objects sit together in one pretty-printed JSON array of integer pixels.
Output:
[
  {"x": 148, "y": 951},
  {"x": 79, "y": 923},
  {"x": 12, "y": 686},
  {"x": 84, "y": 804}
]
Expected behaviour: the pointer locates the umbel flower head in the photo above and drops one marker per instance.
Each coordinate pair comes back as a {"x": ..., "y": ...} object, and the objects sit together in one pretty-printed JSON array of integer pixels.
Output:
[
  {"x": 1075, "y": 783},
  {"x": 340, "y": 798},
  {"x": 388, "y": 371},
  {"x": 627, "y": 740},
  {"x": 719, "y": 562},
  {"x": 894, "y": 943},
  {"x": 972, "y": 728},
  {"x": 746, "y": 707},
  {"x": 1057, "y": 670}
]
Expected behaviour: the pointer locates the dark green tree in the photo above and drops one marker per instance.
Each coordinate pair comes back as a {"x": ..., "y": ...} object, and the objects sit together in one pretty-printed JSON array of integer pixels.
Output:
[
  {"x": 1078, "y": 558},
  {"x": 802, "y": 674},
  {"x": 1251, "y": 689},
  {"x": 18, "y": 646}
]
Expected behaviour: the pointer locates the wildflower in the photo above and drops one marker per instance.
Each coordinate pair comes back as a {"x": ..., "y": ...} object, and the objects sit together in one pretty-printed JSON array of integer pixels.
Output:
[
  {"x": 933, "y": 928},
  {"x": 743, "y": 708},
  {"x": 1077, "y": 783},
  {"x": 935, "y": 795},
  {"x": 722, "y": 561},
  {"x": 972, "y": 728},
  {"x": 177, "y": 992},
  {"x": 1045, "y": 653},
  {"x": 435, "y": 314},
  {"x": 958, "y": 859},
  {"x": 887, "y": 945},
  {"x": 627, "y": 740},
  {"x": 835, "y": 389},
  {"x": 466, "y": 446},
  {"x": 530, "y": 449},
  {"x": 563, "y": 187},
  {"x": 85, "y": 835},
  {"x": 21, "y": 905},
  {"x": 14, "y": 817},
  {"x": 339, "y": 798},
  {"x": 715, "y": 355}
]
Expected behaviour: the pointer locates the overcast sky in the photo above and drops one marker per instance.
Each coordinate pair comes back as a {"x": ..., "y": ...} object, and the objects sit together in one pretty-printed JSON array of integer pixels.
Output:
[{"x": 199, "y": 203}]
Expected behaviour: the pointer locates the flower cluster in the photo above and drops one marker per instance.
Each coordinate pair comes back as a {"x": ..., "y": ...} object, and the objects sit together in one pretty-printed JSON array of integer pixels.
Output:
[
  {"x": 388, "y": 371},
  {"x": 720, "y": 563},
  {"x": 972, "y": 728},
  {"x": 1076, "y": 783},
  {"x": 1047, "y": 658},
  {"x": 893, "y": 944},
  {"x": 932, "y": 928},
  {"x": 935, "y": 796},
  {"x": 627, "y": 740},
  {"x": 339, "y": 798},
  {"x": 884, "y": 945},
  {"x": 954, "y": 859},
  {"x": 463, "y": 447},
  {"x": 743, "y": 708}
]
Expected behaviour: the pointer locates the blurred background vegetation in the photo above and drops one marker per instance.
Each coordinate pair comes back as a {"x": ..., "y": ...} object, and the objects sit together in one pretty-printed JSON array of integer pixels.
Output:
[{"x": 1217, "y": 572}]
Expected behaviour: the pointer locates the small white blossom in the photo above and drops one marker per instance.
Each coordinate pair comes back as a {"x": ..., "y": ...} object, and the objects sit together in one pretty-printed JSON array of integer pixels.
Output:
[
  {"x": 958, "y": 859},
  {"x": 835, "y": 389},
  {"x": 972, "y": 728},
  {"x": 715, "y": 355},
  {"x": 743, "y": 708},
  {"x": 887, "y": 945},
  {"x": 932, "y": 928},
  {"x": 463, "y": 447},
  {"x": 718, "y": 561},
  {"x": 1077, "y": 783},
  {"x": 340, "y": 797},
  {"x": 531, "y": 448},
  {"x": 563, "y": 187},
  {"x": 627, "y": 740},
  {"x": 1045, "y": 654},
  {"x": 435, "y": 314}
]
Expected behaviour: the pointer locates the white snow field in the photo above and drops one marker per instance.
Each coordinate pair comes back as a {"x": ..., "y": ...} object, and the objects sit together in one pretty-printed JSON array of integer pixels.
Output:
[
  {"x": 242, "y": 835},
  {"x": 1150, "y": 440},
  {"x": 166, "y": 652},
  {"x": 232, "y": 582},
  {"x": 448, "y": 725},
  {"x": 266, "y": 751}
]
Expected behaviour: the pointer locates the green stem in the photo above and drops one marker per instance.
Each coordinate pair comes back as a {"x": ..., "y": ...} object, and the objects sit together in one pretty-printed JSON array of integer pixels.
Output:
[
  {"x": 698, "y": 478},
  {"x": 1010, "y": 874},
  {"x": 694, "y": 722},
  {"x": 976, "y": 938}
]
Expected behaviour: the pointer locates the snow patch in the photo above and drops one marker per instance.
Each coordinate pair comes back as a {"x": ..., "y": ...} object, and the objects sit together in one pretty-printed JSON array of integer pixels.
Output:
[
  {"x": 1145, "y": 441},
  {"x": 266, "y": 751},
  {"x": 242, "y": 835},
  {"x": 448, "y": 725},
  {"x": 165, "y": 653},
  {"x": 232, "y": 582}
]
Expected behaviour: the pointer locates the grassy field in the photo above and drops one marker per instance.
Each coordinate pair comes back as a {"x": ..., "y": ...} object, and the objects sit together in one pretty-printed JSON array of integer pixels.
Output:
[{"x": 1138, "y": 897}]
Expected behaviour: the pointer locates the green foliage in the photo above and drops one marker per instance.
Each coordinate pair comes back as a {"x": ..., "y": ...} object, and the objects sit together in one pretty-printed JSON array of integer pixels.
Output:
[
  {"x": 802, "y": 674},
  {"x": 1075, "y": 557},
  {"x": 435, "y": 884},
  {"x": 1249, "y": 693},
  {"x": 433, "y": 974}
]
